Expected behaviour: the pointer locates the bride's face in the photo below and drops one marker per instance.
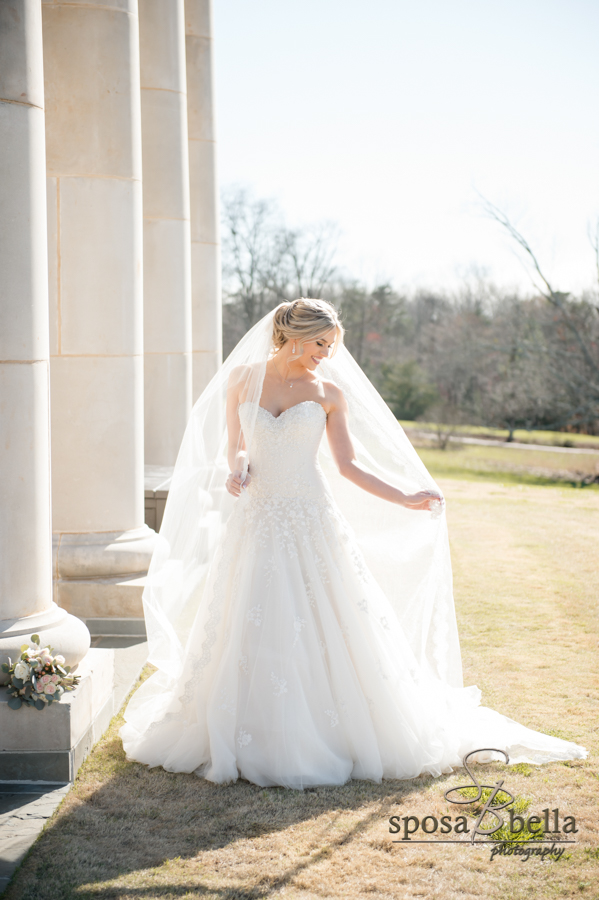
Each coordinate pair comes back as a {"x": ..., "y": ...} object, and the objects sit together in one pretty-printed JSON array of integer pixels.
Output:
[{"x": 315, "y": 351}]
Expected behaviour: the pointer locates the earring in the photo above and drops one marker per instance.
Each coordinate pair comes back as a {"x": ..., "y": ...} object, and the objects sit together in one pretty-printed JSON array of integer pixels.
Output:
[{"x": 293, "y": 351}]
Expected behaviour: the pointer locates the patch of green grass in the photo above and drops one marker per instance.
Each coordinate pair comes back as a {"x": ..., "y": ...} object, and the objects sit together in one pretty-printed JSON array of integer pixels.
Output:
[
  {"x": 519, "y": 807},
  {"x": 473, "y": 462},
  {"x": 522, "y": 769},
  {"x": 559, "y": 733}
]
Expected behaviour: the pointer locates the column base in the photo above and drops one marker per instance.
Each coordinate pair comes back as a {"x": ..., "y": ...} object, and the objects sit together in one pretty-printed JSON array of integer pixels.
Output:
[
  {"x": 56, "y": 628},
  {"x": 102, "y": 575}
]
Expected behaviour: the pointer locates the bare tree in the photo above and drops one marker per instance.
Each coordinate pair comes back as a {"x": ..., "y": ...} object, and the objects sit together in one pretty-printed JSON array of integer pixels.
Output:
[
  {"x": 576, "y": 353},
  {"x": 594, "y": 239},
  {"x": 253, "y": 253},
  {"x": 265, "y": 262},
  {"x": 311, "y": 256}
]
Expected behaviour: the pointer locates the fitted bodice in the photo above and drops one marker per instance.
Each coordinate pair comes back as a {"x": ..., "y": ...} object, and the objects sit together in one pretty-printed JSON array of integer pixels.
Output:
[{"x": 284, "y": 451}]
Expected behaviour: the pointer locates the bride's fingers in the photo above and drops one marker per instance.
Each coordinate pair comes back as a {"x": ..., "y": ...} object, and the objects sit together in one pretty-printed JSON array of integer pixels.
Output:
[
  {"x": 423, "y": 500},
  {"x": 233, "y": 484}
]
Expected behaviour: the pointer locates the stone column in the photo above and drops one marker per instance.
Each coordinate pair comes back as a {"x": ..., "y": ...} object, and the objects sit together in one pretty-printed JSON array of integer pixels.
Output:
[
  {"x": 205, "y": 250},
  {"x": 167, "y": 251},
  {"x": 26, "y": 605},
  {"x": 93, "y": 144}
]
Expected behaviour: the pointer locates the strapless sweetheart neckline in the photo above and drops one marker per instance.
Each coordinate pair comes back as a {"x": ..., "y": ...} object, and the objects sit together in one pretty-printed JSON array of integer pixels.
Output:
[{"x": 289, "y": 408}]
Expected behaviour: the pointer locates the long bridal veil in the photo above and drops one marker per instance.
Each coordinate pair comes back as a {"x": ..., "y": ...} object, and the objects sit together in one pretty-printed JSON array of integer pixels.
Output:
[{"x": 407, "y": 550}]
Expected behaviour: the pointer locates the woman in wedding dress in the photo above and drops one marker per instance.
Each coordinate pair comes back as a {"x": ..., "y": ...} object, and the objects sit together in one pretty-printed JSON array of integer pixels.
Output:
[{"x": 280, "y": 657}]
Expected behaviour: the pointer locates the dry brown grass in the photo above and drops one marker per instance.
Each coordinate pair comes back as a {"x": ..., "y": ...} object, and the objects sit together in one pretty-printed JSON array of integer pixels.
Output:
[{"x": 527, "y": 582}]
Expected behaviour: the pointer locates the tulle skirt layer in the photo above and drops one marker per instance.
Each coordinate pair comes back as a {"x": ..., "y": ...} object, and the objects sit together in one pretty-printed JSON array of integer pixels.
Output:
[{"x": 297, "y": 672}]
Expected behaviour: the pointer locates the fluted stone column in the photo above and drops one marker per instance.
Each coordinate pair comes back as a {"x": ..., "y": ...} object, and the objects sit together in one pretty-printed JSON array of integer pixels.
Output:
[
  {"x": 167, "y": 251},
  {"x": 93, "y": 137},
  {"x": 205, "y": 250},
  {"x": 26, "y": 605}
]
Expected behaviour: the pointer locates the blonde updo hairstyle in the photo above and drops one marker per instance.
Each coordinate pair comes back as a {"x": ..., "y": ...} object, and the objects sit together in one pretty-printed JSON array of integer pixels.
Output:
[{"x": 305, "y": 320}]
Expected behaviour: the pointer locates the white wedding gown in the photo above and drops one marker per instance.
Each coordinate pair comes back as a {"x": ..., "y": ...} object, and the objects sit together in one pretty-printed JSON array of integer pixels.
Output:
[{"x": 297, "y": 672}]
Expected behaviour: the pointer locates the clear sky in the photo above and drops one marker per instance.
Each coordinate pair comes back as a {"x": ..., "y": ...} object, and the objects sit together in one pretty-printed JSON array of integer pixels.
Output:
[{"x": 386, "y": 116}]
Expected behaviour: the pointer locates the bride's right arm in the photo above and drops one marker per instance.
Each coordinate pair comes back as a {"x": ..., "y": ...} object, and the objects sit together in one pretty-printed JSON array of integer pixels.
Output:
[{"x": 236, "y": 453}]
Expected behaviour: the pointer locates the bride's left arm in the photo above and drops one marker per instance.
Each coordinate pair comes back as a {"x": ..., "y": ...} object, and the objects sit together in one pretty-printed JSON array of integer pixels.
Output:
[{"x": 344, "y": 455}]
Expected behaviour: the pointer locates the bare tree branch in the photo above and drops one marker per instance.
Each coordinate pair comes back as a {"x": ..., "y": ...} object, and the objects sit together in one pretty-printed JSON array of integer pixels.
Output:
[
  {"x": 556, "y": 298},
  {"x": 594, "y": 239}
]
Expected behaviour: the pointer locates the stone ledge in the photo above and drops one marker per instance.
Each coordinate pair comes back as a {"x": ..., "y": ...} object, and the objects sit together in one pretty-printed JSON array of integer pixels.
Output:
[
  {"x": 51, "y": 744},
  {"x": 55, "y": 765},
  {"x": 101, "y": 598},
  {"x": 116, "y": 627},
  {"x": 32, "y": 768},
  {"x": 61, "y": 726}
]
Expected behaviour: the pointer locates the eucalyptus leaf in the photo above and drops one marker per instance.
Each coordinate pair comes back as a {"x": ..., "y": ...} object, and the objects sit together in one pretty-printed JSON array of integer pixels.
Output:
[
  {"x": 35, "y": 638},
  {"x": 5, "y": 667},
  {"x": 15, "y": 703},
  {"x": 24, "y": 647},
  {"x": 17, "y": 682}
]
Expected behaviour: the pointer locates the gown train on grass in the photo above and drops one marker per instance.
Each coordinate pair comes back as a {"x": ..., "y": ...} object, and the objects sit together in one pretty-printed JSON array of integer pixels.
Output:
[{"x": 297, "y": 670}]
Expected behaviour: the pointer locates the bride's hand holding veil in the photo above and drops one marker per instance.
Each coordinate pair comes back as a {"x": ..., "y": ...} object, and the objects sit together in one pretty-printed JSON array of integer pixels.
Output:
[
  {"x": 422, "y": 500},
  {"x": 236, "y": 482}
]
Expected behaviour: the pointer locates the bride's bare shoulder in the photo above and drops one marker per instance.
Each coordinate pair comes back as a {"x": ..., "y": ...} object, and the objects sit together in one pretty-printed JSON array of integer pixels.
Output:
[
  {"x": 243, "y": 382},
  {"x": 240, "y": 374},
  {"x": 242, "y": 371},
  {"x": 333, "y": 395}
]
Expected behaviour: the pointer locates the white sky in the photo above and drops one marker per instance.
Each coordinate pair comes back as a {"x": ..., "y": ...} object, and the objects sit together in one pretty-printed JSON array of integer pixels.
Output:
[{"x": 385, "y": 116}]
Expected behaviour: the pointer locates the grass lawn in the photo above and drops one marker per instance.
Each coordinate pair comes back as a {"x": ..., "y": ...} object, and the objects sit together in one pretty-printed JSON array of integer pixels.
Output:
[
  {"x": 526, "y": 567},
  {"x": 510, "y": 464}
]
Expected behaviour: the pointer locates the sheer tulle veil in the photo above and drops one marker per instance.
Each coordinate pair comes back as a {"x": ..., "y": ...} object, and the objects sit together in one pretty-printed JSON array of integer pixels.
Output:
[{"x": 407, "y": 550}]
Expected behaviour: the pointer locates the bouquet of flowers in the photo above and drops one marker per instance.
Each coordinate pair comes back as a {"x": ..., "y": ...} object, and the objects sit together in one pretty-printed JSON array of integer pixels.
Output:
[{"x": 38, "y": 678}]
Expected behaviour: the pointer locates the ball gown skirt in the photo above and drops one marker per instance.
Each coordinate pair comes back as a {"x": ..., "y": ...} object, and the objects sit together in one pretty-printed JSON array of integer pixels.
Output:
[{"x": 297, "y": 671}]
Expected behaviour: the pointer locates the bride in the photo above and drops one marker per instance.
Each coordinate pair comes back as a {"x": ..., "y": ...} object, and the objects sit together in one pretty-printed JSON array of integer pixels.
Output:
[{"x": 279, "y": 656}]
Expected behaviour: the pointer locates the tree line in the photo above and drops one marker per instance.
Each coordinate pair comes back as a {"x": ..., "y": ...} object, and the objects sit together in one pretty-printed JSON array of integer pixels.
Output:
[{"x": 479, "y": 355}]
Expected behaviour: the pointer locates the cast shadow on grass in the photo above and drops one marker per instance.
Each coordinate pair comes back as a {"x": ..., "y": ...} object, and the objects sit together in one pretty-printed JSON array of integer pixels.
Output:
[{"x": 141, "y": 819}]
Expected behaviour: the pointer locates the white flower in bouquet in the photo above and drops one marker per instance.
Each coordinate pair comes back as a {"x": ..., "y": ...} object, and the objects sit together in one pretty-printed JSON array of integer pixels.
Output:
[
  {"x": 22, "y": 670},
  {"x": 59, "y": 659},
  {"x": 50, "y": 688}
]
